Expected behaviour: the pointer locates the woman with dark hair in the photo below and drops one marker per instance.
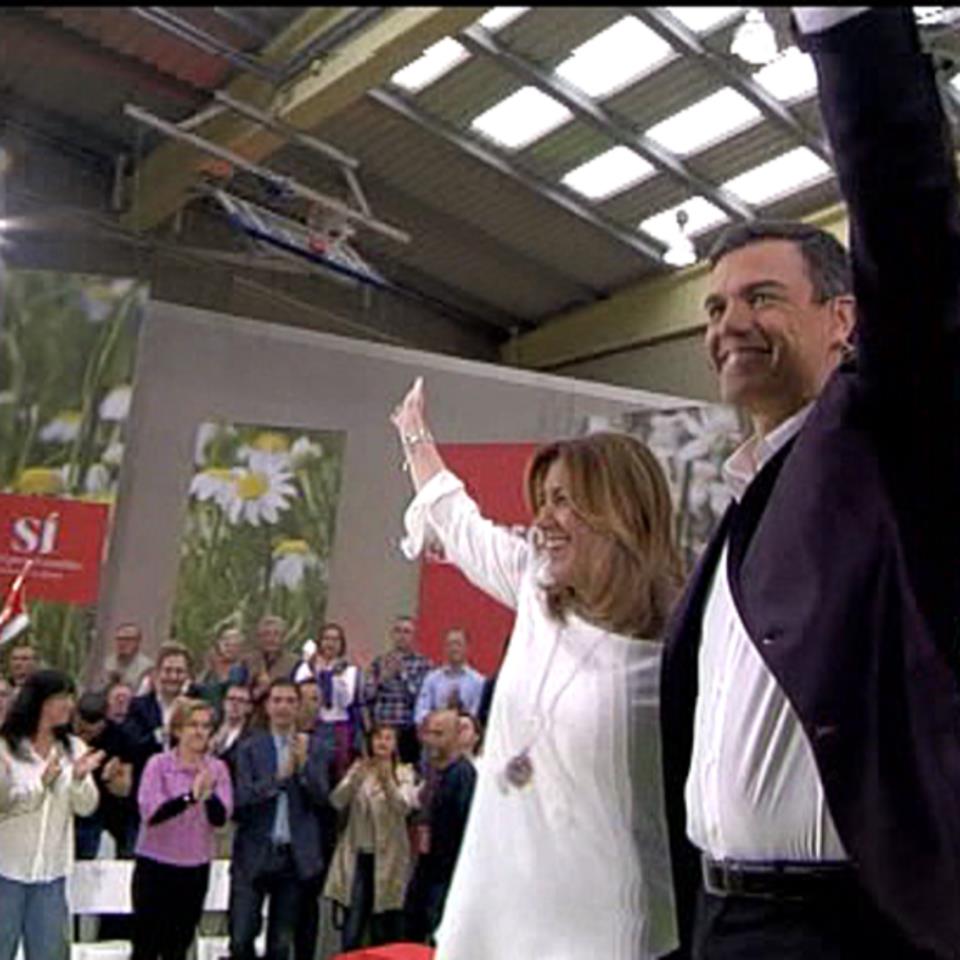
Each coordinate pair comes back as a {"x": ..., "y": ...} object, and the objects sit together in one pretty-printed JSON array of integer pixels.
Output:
[
  {"x": 565, "y": 853},
  {"x": 371, "y": 864},
  {"x": 185, "y": 793},
  {"x": 340, "y": 685},
  {"x": 46, "y": 779}
]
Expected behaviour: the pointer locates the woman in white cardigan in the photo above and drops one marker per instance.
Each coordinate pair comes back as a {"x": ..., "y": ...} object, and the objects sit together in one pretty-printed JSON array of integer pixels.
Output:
[
  {"x": 565, "y": 855},
  {"x": 45, "y": 781}
]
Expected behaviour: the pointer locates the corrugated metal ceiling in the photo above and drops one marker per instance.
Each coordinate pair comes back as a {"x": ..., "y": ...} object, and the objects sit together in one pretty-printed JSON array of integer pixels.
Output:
[{"x": 474, "y": 229}]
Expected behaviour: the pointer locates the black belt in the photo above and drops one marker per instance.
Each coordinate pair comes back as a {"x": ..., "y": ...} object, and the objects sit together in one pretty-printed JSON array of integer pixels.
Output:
[{"x": 779, "y": 880}]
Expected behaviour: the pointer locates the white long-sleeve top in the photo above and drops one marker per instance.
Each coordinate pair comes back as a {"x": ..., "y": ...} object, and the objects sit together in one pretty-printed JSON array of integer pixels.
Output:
[
  {"x": 36, "y": 823},
  {"x": 575, "y": 865},
  {"x": 753, "y": 791}
]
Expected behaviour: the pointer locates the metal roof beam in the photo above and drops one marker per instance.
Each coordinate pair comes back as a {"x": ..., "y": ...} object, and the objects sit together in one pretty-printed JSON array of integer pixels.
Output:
[
  {"x": 201, "y": 40},
  {"x": 481, "y": 41},
  {"x": 542, "y": 188},
  {"x": 682, "y": 38},
  {"x": 163, "y": 180}
]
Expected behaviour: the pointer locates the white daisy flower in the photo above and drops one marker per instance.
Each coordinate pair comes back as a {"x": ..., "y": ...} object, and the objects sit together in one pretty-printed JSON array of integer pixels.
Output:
[
  {"x": 260, "y": 491},
  {"x": 303, "y": 451},
  {"x": 115, "y": 406},
  {"x": 291, "y": 560},
  {"x": 214, "y": 483},
  {"x": 63, "y": 428}
]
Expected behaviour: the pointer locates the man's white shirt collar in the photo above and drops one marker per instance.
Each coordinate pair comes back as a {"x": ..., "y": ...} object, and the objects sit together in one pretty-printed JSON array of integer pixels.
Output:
[{"x": 748, "y": 459}]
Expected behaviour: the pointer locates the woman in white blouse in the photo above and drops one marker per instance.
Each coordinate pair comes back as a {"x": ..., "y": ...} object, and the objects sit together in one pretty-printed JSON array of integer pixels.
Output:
[
  {"x": 45, "y": 780},
  {"x": 565, "y": 855}
]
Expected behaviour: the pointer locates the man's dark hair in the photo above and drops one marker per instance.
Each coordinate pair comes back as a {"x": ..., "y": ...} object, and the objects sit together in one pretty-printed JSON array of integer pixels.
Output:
[
  {"x": 92, "y": 706},
  {"x": 284, "y": 682},
  {"x": 826, "y": 259}
]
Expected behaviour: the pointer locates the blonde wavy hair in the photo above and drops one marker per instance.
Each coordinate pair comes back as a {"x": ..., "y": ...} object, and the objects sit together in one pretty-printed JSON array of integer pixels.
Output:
[{"x": 619, "y": 490}]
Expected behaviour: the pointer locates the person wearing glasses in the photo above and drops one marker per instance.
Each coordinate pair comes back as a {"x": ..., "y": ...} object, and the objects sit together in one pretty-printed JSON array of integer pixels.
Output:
[{"x": 185, "y": 794}]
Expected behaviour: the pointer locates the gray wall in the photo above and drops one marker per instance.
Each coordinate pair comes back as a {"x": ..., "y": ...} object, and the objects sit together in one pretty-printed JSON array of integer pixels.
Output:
[
  {"x": 677, "y": 366},
  {"x": 194, "y": 365}
]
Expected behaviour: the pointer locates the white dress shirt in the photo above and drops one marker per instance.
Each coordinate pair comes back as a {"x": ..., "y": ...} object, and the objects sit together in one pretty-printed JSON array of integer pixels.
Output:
[{"x": 753, "y": 791}]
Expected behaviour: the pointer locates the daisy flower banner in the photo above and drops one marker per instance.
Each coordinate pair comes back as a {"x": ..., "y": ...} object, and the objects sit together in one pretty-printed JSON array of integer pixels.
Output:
[
  {"x": 259, "y": 529},
  {"x": 67, "y": 349}
]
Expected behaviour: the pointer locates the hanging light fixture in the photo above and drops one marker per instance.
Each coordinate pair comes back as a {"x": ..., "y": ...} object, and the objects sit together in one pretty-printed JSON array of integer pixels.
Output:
[
  {"x": 754, "y": 40},
  {"x": 681, "y": 252}
]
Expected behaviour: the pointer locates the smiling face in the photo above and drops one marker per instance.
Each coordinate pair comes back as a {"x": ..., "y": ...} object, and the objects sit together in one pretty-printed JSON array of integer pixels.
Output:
[
  {"x": 194, "y": 735},
  {"x": 569, "y": 543},
  {"x": 772, "y": 345},
  {"x": 172, "y": 674},
  {"x": 56, "y": 711}
]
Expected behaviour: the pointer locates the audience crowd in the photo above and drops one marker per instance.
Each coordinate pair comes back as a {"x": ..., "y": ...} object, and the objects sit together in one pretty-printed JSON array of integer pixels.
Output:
[{"x": 315, "y": 778}]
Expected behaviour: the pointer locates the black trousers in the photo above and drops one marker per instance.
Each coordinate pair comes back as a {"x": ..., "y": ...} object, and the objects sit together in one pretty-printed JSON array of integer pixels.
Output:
[
  {"x": 385, "y": 927},
  {"x": 841, "y": 926},
  {"x": 280, "y": 882},
  {"x": 167, "y": 906}
]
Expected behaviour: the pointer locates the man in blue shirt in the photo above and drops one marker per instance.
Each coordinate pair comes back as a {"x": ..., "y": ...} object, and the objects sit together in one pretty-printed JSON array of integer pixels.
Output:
[{"x": 456, "y": 684}]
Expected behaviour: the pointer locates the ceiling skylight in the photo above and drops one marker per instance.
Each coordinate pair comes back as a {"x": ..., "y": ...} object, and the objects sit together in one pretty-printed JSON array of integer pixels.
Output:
[
  {"x": 791, "y": 76},
  {"x": 607, "y": 174},
  {"x": 433, "y": 63},
  {"x": 521, "y": 118},
  {"x": 614, "y": 58},
  {"x": 701, "y": 214},
  {"x": 704, "y": 19},
  {"x": 705, "y": 122},
  {"x": 496, "y": 18},
  {"x": 779, "y": 177}
]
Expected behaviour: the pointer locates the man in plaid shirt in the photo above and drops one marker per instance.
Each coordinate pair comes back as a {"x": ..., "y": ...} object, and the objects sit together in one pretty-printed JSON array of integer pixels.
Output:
[{"x": 392, "y": 684}]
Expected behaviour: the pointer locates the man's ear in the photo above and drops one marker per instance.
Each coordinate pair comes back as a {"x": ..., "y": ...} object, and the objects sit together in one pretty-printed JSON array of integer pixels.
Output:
[{"x": 844, "y": 315}]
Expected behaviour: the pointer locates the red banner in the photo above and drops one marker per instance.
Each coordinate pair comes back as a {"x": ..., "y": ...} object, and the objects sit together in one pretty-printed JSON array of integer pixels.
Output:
[
  {"x": 493, "y": 474},
  {"x": 64, "y": 538}
]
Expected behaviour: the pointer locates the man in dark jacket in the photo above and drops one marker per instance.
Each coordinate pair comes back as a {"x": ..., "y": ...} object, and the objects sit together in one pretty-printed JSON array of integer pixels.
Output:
[
  {"x": 280, "y": 790},
  {"x": 809, "y": 690},
  {"x": 448, "y": 795}
]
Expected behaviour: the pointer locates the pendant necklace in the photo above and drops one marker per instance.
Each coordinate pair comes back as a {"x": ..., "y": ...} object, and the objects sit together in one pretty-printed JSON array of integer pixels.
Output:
[{"x": 519, "y": 768}]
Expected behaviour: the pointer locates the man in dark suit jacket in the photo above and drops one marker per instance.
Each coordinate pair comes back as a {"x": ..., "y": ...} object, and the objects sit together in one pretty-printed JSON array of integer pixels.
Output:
[
  {"x": 280, "y": 791},
  {"x": 810, "y": 699}
]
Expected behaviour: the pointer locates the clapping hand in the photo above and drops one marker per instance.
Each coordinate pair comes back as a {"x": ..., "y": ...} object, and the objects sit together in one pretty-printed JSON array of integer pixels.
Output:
[
  {"x": 52, "y": 769},
  {"x": 118, "y": 777},
  {"x": 87, "y": 763},
  {"x": 301, "y": 745},
  {"x": 203, "y": 784}
]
